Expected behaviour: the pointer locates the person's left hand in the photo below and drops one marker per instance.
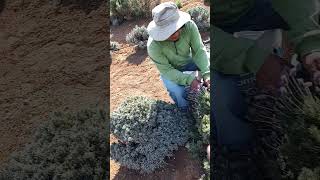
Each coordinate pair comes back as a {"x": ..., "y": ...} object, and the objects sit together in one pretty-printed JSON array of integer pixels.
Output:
[{"x": 195, "y": 85}]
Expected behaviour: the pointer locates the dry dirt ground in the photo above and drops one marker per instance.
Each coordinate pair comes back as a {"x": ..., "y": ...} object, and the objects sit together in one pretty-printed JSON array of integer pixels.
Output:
[
  {"x": 133, "y": 73},
  {"x": 52, "y": 58},
  {"x": 55, "y": 59}
]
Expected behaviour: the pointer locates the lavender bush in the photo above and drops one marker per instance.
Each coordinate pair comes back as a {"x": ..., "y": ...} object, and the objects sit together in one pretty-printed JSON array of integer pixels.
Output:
[
  {"x": 67, "y": 146},
  {"x": 148, "y": 131}
]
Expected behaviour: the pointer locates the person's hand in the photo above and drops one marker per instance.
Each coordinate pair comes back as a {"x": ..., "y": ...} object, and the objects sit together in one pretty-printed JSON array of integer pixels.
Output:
[
  {"x": 207, "y": 83},
  {"x": 311, "y": 63},
  {"x": 268, "y": 76},
  {"x": 195, "y": 85}
]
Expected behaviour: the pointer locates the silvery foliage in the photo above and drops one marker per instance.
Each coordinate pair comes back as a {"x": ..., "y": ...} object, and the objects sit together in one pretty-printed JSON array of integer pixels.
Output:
[
  {"x": 287, "y": 126},
  {"x": 148, "y": 131},
  {"x": 67, "y": 146},
  {"x": 119, "y": 8},
  {"x": 200, "y": 110},
  {"x": 298, "y": 114},
  {"x": 132, "y": 8},
  {"x": 201, "y": 17},
  {"x": 114, "y": 46},
  {"x": 138, "y": 36},
  {"x": 309, "y": 174},
  {"x": 178, "y": 3}
]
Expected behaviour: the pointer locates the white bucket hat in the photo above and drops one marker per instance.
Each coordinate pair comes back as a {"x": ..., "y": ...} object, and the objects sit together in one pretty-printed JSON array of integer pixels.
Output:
[{"x": 167, "y": 19}]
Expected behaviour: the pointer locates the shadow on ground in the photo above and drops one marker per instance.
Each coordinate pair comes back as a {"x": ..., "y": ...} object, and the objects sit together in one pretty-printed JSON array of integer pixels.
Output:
[
  {"x": 179, "y": 167},
  {"x": 138, "y": 57}
]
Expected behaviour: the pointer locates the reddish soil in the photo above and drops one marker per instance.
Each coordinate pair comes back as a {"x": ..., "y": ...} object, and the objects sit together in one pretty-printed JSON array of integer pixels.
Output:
[
  {"x": 133, "y": 73},
  {"x": 52, "y": 59}
]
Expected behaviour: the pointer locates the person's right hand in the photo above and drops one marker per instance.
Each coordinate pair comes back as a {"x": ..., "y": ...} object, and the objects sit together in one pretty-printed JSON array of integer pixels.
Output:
[
  {"x": 268, "y": 76},
  {"x": 311, "y": 63},
  {"x": 195, "y": 85}
]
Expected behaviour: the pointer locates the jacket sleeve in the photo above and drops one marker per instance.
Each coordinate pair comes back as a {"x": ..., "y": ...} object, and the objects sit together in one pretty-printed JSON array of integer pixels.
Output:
[
  {"x": 303, "y": 19},
  {"x": 235, "y": 55},
  {"x": 199, "y": 53},
  {"x": 165, "y": 68}
]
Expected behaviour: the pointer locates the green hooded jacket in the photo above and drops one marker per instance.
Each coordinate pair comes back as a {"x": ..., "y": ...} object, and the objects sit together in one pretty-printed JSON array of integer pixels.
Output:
[
  {"x": 170, "y": 56},
  {"x": 232, "y": 55}
]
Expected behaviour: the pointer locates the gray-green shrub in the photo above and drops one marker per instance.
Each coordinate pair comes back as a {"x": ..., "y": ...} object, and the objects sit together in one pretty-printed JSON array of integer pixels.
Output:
[
  {"x": 114, "y": 46},
  {"x": 132, "y": 8},
  {"x": 301, "y": 125},
  {"x": 67, "y": 146},
  {"x": 200, "y": 110},
  {"x": 148, "y": 131},
  {"x": 287, "y": 127},
  {"x": 138, "y": 36},
  {"x": 308, "y": 174},
  {"x": 178, "y": 3},
  {"x": 201, "y": 17}
]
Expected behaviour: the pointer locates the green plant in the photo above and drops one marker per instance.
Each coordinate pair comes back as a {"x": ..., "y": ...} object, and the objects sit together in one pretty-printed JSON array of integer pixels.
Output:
[
  {"x": 67, "y": 146},
  {"x": 200, "y": 110},
  {"x": 288, "y": 126},
  {"x": 114, "y": 46},
  {"x": 119, "y": 8},
  {"x": 179, "y": 4},
  {"x": 201, "y": 17},
  {"x": 206, "y": 167},
  {"x": 148, "y": 131},
  {"x": 138, "y": 36},
  {"x": 308, "y": 174},
  {"x": 132, "y": 8},
  {"x": 301, "y": 147},
  {"x": 200, "y": 137}
]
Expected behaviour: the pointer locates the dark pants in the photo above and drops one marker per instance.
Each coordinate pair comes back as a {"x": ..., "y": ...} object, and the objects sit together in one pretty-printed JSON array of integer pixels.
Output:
[
  {"x": 228, "y": 105},
  {"x": 229, "y": 109}
]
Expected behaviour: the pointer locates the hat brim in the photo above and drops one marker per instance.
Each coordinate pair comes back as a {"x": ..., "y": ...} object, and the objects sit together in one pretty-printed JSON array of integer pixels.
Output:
[{"x": 159, "y": 33}]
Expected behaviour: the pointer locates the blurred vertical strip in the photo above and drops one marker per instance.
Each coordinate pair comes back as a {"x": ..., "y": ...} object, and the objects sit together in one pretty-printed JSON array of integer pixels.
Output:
[
  {"x": 2, "y": 5},
  {"x": 107, "y": 89}
]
